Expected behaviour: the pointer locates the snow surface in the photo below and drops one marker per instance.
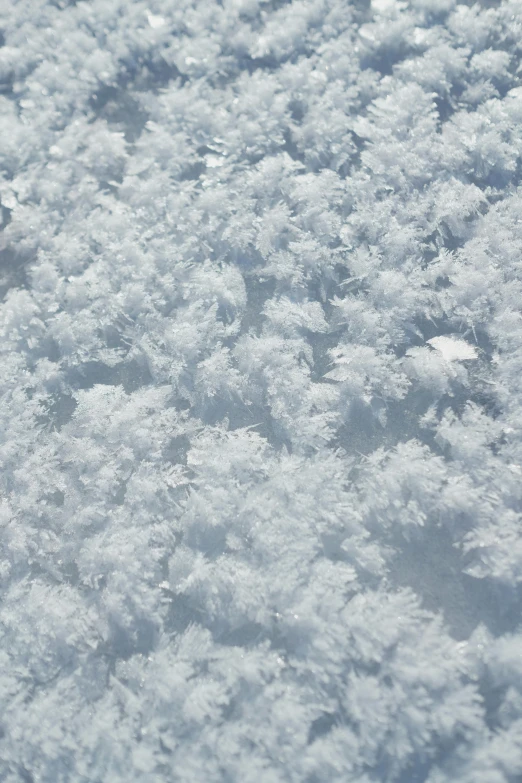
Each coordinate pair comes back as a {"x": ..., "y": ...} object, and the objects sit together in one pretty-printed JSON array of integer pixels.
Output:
[{"x": 261, "y": 335}]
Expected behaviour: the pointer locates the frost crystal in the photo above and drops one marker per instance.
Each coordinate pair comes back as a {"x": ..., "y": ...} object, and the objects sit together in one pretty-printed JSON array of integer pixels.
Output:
[
  {"x": 261, "y": 350},
  {"x": 453, "y": 349}
]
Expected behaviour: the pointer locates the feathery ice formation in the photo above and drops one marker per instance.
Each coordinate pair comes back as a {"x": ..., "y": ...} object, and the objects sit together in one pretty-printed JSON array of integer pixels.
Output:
[{"x": 261, "y": 350}]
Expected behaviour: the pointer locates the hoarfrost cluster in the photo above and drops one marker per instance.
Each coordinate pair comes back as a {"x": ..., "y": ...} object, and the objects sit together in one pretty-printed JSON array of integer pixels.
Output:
[{"x": 261, "y": 350}]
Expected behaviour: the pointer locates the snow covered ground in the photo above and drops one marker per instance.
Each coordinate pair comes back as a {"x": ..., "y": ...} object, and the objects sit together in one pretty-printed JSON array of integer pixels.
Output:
[{"x": 261, "y": 398}]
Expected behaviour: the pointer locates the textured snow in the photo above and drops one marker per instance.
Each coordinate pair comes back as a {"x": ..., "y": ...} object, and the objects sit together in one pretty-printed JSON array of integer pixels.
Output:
[{"x": 261, "y": 411}]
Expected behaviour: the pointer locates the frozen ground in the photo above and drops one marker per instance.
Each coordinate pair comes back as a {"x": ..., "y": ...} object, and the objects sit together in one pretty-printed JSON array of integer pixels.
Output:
[{"x": 261, "y": 401}]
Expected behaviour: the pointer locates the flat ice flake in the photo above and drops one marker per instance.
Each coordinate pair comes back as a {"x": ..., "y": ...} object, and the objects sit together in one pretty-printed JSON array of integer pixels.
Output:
[
  {"x": 213, "y": 161},
  {"x": 155, "y": 21},
  {"x": 453, "y": 349}
]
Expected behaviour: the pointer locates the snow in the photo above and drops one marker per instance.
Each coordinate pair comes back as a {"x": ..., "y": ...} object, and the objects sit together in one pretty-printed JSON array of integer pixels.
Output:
[{"x": 261, "y": 349}]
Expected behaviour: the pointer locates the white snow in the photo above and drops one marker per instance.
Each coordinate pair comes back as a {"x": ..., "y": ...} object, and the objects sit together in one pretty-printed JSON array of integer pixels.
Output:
[{"x": 260, "y": 400}]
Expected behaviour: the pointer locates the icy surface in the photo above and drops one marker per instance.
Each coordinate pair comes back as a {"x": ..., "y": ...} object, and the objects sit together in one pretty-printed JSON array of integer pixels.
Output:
[{"x": 261, "y": 401}]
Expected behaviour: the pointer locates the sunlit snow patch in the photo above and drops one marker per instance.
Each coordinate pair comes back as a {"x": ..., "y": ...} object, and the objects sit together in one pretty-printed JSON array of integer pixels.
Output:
[{"x": 453, "y": 349}]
